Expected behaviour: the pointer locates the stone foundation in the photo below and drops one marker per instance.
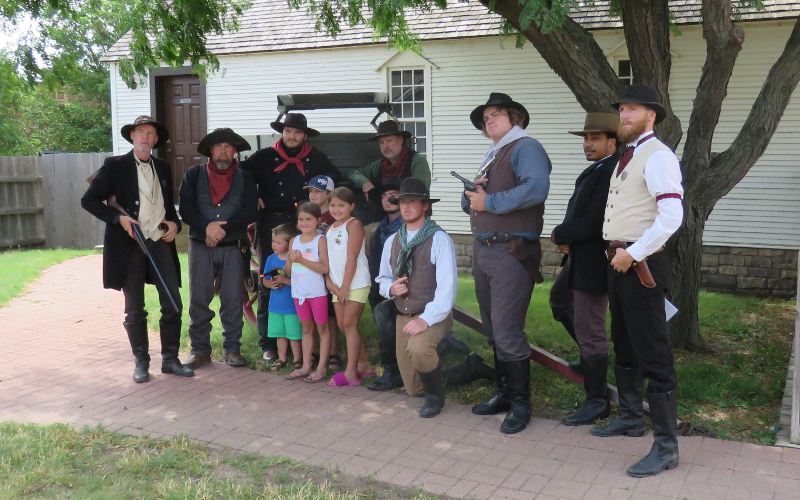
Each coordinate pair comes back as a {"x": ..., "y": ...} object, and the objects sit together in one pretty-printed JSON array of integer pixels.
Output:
[{"x": 764, "y": 272}]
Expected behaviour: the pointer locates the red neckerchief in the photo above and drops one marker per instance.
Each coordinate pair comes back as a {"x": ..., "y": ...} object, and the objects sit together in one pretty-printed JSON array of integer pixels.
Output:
[
  {"x": 389, "y": 169},
  {"x": 297, "y": 161},
  {"x": 220, "y": 180},
  {"x": 627, "y": 155}
]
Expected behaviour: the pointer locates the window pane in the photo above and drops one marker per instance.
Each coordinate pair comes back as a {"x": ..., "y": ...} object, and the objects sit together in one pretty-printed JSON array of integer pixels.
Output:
[
  {"x": 407, "y": 77},
  {"x": 397, "y": 109},
  {"x": 408, "y": 110},
  {"x": 421, "y": 129},
  {"x": 419, "y": 93},
  {"x": 419, "y": 77},
  {"x": 419, "y": 110},
  {"x": 624, "y": 68},
  {"x": 395, "y": 94},
  {"x": 422, "y": 145},
  {"x": 408, "y": 94},
  {"x": 395, "y": 78}
]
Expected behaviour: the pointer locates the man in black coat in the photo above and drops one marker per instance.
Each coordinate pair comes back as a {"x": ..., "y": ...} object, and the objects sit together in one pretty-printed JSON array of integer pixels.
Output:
[
  {"x": 281, "y": 173},
  {"x": 579, "y": 296},
  {"x": 136, "y": 188},
  {"x": 218, "y": 202}
]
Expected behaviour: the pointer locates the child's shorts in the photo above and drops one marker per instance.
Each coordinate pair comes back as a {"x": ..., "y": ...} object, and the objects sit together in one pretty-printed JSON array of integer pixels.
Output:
[
  {"x": 314, "y": 308},
  {"x": 284, "y": 326},
  {"x": 358, "y": 295}
]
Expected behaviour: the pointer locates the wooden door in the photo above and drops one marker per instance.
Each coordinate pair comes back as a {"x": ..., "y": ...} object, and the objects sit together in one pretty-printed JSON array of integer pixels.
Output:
[{"x": 182, "y": 106}]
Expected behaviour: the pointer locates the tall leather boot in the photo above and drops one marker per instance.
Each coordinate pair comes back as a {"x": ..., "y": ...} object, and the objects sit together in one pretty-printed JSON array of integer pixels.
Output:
[
  {"x": 385, "y": 315},
  {"x": 170, "y": 343},
  {"x": 433, "y": 385},
  {"x": 500, "y": 401},
  {"x": 664, "y": 452},
  {"x": 519, "y": 390},
  {"x": 473, "y": 368},
  {"x": 594, "y": 383},
  {"x": 630, "y": 421},
  {"x": 137, "y": 336}
]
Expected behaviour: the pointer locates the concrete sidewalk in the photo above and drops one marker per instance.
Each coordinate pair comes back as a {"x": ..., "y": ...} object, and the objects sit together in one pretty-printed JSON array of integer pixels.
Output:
[{"x": 67, "y": 360}]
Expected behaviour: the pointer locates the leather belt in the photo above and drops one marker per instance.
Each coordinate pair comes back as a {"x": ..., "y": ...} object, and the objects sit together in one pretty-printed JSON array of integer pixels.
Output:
[{"x": 497, "y": 238}]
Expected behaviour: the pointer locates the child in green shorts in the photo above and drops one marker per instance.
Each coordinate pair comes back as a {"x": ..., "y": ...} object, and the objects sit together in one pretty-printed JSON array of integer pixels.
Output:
[{"x": 284, "y": 325}]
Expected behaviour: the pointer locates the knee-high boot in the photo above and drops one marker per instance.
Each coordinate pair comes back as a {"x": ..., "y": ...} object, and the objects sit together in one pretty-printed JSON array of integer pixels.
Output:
[
  {"x": 385, "y": 315},
  {"x": 433, "y": 385},
  {"x": 594, "y": 383},
  {"x": 137, "y": 336},
  {"x": 630, "y": 421},
  {"x": 170, "y": 343},
  {"x": 519, "y": 391},
  {"x": 664, "y": 452},
  {"x": 500, "y": 400}
]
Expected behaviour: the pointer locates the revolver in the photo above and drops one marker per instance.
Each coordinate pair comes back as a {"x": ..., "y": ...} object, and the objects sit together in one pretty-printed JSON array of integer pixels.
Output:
[{"x": 468, "y": 184}]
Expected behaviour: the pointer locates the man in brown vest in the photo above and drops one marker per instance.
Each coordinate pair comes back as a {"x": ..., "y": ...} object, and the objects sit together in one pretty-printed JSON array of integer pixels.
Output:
[
  {"x": 418, "y": 271},
  {"x": 506, "y": 216},
  {"x": 643, "y": 210}
]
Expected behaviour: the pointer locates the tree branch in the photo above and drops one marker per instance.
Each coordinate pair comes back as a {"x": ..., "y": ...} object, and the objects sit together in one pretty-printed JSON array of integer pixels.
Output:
[
  {"x": 761, "y": 123},
  {"x": 573, "y": 54},
  {"x": 723, "y": 43}
]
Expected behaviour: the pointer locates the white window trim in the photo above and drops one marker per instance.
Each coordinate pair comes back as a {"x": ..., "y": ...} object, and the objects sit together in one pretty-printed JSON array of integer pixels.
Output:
[{"x": 428, "y": 107}]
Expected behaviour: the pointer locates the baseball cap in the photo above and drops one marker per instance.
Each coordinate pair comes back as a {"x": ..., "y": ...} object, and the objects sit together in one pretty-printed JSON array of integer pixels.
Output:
[{"x": 321, "y": 182}]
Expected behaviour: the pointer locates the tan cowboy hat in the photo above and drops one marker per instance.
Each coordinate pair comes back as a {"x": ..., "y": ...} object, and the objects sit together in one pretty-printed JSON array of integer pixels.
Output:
[
  {"x": 161, "y": 130},
  {"x": 599, "y": 122}
]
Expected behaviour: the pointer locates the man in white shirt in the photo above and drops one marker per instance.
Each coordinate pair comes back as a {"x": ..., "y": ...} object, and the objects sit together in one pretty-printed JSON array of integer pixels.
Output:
[
  {"x": 643, "y": 210},
  {"x": 418, "y": 271}
]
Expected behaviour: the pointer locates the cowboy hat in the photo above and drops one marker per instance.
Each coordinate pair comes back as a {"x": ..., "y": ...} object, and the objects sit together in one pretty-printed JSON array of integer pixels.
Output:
[
  {"x": 161, "y": 130},
  {"x": 413, "y": 189},
  {"x": 294, "y": 120},
  {"x": 390, "y": 127},
  {"x": 599, "y": 122},
  {"x": 643, "y": 94},
  {"x": 218, "y": 136},
  {"x": 501, "y": 100}
]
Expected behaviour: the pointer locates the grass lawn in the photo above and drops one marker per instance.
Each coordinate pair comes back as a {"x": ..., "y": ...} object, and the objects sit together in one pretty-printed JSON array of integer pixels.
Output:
[
  {"x": 56, "y": 461},
  {"x": 20, "y": 267}
]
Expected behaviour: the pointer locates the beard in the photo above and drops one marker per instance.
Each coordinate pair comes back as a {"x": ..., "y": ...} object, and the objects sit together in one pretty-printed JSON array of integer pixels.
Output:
[
  {"x": 222, "y": 164},
  {"x": 627, "y": 133}
]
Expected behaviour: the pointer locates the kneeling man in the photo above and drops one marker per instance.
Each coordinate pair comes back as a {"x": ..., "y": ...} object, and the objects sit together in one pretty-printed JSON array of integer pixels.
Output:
[{"x": 418, "y": 271}]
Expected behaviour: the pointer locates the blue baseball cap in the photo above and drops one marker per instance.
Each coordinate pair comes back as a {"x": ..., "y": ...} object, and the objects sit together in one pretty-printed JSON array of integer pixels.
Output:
[{"x": 321, "y": 182}]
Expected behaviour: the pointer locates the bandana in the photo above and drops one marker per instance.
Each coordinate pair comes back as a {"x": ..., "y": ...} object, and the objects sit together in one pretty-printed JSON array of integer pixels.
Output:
[
  {"x": 388, "y": 169},
  {"x": 297, "y": 161},
  {"x": 406, "y": 253},
  {"x": 220, "y": 180}
]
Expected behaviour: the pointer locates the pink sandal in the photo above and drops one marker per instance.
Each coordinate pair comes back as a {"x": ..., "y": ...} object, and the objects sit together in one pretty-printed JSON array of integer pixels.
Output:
[{"x": 340, "y": 380}]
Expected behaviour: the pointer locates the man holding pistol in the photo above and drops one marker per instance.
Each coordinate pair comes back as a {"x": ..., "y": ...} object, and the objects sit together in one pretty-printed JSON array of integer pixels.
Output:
[{"x": 642, "y": 211}]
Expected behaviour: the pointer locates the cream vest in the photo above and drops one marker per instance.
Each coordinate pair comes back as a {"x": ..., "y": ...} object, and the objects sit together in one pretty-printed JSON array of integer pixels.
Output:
[{"x": 631, "y": 209}]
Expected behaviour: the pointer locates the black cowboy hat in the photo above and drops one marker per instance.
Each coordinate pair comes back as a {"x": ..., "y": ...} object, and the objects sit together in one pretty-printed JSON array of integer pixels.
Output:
[
  {"x": 219, "y": 136},
  {"x": 390, "y": 127},
  {"x": 599, "y": 122},
  {"x": 501, "y": 100},
  {"x": 390, "y": 183},
  {"x": 643, "y": 94},
  {"x": 161, "y": 130},
  {"x": 295, "y": 120},
  {"x": 413, "y": 189}
]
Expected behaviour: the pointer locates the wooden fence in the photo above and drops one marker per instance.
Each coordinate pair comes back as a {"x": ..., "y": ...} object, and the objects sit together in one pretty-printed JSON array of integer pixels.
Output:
[{"x": 21, "y": 202}]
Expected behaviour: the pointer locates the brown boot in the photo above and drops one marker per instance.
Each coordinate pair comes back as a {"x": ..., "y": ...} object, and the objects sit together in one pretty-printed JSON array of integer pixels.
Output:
[
  {"x": 234, "y": 358},
  {"x": 196, "y": 360}
]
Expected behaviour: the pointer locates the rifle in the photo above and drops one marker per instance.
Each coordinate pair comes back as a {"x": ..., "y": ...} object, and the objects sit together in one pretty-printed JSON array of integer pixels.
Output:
[{"x": 468, "y": 184}]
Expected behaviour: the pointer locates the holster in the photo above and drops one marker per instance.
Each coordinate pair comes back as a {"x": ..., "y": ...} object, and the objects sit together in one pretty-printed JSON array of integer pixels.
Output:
[
  {"x": 641, "y": 269},
  {"x": 529, "y": 254}
]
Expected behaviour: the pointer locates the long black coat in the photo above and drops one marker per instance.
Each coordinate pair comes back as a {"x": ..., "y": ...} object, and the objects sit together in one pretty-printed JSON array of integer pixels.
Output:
[
  {"x": 582, "y": 228},
  {"x": 118, "y": 177}
]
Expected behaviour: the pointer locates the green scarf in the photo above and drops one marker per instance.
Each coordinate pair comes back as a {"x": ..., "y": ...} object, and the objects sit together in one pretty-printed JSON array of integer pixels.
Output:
[{"x": 403, "y": 267}]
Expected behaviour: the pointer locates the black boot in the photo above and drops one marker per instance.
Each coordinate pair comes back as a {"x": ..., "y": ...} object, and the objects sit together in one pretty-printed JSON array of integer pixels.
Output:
[
  {"x": 451, "y": 344},
  {"x": 170, "y": 342},
  {"x": 137, "y": 336},
  {"x": 388, "y": 381},
  {"x": 500, "y": 401},
  {"x": 629, "y": 422},
  {"x": 519, "y": 390},
  {"x": 664, "y": 452},
  {"x": 594, "y": 382},
  {"x": 433, "y": 385},
  {"x": 473, "y": 368}
]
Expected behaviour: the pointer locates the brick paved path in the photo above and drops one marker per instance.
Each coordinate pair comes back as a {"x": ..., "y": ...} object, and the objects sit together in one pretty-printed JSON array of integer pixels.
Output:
[{"x": 66, "y": 359}]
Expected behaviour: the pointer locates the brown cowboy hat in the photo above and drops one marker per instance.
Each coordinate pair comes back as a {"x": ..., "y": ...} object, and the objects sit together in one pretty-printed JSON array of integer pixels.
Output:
[
  {"x": 390, "y": 127},
  {"x": 294, "y": 120},
  {"x": 500, "y": 100},
  {"x": 161, "y": 130},
  {"x": 599, "y": 122},
  {"x": 413, "y": 189},
  {"x": 643, "y": 94},
  {"x": 219, "y": 136}
]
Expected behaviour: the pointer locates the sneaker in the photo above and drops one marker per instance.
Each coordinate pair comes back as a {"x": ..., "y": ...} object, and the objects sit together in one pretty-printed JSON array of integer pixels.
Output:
[{"x": 269, "y": 357}]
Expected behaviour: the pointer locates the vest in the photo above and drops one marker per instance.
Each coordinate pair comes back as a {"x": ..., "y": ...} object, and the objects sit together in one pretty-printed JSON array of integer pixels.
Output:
[
  {"x": 421, "y": 284},
  {"x": 501, "y": 178},
  {"x": 630, "y": 208},
  {"x": 223, "y": 210}
]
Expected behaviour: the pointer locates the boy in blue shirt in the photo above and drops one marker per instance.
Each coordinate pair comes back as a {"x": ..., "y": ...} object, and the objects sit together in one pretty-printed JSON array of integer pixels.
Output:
[{"x": 283, "y": 325}]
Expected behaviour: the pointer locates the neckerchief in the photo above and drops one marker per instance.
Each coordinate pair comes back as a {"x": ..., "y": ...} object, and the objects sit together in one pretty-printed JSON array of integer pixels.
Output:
[
  {"x": 389, "y": 169},
  {"x": 220, "y": 181},
  {"x": 512, "y": 135},
  {"x": 403, "y": 267},
  {"x": 297, "y": 161}
]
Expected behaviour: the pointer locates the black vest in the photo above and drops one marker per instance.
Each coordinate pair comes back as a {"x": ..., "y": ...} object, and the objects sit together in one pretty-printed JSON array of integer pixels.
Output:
[{"x": 224, "y": 210}]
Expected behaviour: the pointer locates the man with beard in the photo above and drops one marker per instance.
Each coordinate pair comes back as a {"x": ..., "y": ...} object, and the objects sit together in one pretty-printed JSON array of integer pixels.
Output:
[
  {"x": 418, "y": 271},
  {"x": 643, "y": 210},
  {"x": 506, "y": 216},
  {"x": 136, "y": 188},
  {"x": 218, "y": 201},
  {"x": 579, "y": 295},
  {"x": 282, "y": 171}
]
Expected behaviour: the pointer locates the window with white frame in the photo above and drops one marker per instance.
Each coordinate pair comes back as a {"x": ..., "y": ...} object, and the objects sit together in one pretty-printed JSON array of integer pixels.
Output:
[
  {"x": 407, "y": 94},
  {"x": 624, "y": 73}
]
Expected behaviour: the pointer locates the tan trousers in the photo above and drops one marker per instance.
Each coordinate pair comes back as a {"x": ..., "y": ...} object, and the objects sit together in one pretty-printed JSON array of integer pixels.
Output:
[{"x": 417, "y": 353}]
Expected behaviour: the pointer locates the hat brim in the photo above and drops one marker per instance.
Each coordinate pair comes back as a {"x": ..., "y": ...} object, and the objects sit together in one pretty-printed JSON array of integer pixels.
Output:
[
  {"x": 161, "y": 131},
  {"x": 401, "y": 197},
  {"x": 593, "y": 131},
  {"x": 405, "y": 133},
  {"x": 232, "y": 138},
  {"x": 279, "y": 126},
  {"x": 661, "y": 113},
  {"x": 476, "y": 117}
]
